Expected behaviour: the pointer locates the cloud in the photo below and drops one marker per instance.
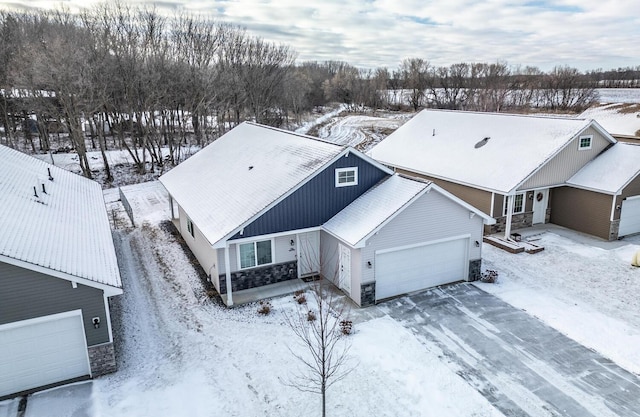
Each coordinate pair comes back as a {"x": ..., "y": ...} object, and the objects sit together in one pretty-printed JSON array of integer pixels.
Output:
[{"x": 587, "y": 34}]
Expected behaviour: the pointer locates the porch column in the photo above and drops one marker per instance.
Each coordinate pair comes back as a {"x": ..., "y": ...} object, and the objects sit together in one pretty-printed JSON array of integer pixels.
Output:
[
  {"x": 227, "y": 269},
  {"x": 173, "y": 215},
  {"x": 507, "y": 228}
]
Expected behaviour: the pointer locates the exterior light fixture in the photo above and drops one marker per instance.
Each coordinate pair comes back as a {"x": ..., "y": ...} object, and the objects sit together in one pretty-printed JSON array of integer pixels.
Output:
[{"x": 96, "y": 322}]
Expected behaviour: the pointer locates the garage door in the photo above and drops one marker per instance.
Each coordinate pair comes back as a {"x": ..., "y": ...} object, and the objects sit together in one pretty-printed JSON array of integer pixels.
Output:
[
  {"x": 630, "y": 216},
  {"x": 38, "y": 352},
  {"x": 418, "y": 267}
]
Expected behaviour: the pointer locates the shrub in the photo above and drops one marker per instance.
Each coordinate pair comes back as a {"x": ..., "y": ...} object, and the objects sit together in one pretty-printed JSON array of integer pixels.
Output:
[
  {"x": 264, "y": 308},
  {"x": 346, "y": 326},
  {"x": 311, "y": 316},
  {"x": 490, "y": 276},
  {"x": 300, "y": 298}
]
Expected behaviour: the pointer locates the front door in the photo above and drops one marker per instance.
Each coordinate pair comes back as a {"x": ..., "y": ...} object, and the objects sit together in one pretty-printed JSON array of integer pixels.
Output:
[
  {"x": 540, "y": 202},
  {"x": 344, "y": 273}
]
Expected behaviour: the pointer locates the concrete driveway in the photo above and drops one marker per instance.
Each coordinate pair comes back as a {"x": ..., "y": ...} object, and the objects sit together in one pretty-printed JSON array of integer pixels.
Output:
[{"x": 522, "y": 366}]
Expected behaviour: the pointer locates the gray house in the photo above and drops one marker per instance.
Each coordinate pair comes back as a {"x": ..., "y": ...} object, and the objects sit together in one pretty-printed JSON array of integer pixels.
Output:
[
  {"x": 261, "y": 205},
  {"x": 57, "y": 269}
]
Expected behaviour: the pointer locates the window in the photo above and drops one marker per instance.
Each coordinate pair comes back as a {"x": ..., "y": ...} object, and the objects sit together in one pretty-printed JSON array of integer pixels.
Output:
[
  {"x": 518, "y": 204},
  {"x": 585, "y": 142},
  {"x": 346, "y": 177},
  {"x": 190, "y": 227},
  {"x": 255, "y": 254}
]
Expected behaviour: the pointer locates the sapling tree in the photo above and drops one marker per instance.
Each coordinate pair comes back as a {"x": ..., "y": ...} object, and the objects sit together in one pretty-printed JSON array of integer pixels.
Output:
[{"x": 319, "y": 327}]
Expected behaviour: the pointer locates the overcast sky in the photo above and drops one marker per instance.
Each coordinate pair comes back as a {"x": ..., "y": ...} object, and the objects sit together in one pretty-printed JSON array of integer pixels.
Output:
[{"x": 587, "y": 34}]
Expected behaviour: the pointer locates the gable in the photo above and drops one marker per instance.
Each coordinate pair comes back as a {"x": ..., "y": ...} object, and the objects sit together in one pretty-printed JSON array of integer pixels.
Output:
[
  {"x": 568, "y": 161},
  {"x": 316, "y": 201}
]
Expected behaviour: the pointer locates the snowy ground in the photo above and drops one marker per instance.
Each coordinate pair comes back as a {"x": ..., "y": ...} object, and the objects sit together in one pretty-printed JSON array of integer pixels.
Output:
[
  {"x": 618, "y": 118},
  {"x": 179, "y": 353}
]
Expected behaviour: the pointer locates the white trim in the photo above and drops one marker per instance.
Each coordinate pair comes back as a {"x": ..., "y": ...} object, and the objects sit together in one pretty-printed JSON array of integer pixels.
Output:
[
  {"x": 299, "y": 270},
  {"x": 513, "y": 203},
  {"x": 109, "y": 290},
  {"x": 507, "y": 228},
  {"x": 107, "y": 313},
  {"x": 227, "y": 271},
  {"x": 634, "y": 197},
  {"x": 268, "y": 236},
  {"x": 585, "y": 148},
  {"x": 431, "y": 242},
  {"x": 338, "y": 171},
  {"x": 613, "y": 208},
  {"x": 52, "y": 317},
  {"x": 255, "y": 240}
]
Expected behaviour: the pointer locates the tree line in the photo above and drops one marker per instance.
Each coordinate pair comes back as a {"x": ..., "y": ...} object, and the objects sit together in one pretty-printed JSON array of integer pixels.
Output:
[{"x": 119, "y": 76}]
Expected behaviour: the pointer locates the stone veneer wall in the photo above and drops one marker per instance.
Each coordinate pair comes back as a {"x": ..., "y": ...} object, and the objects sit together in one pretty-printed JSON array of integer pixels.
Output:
[
  {"x": 475, "y": 270},
  {"x": 102, "y": 359},
  {"x": 257, "y": 277},
  {"x": 614, "y": 229},
  {"x": 517, "y": 221},
  {"x": 367, "y": 294}
]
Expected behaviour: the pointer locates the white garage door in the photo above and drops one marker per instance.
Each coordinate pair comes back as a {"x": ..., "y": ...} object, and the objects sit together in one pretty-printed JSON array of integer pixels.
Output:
[
  {"x": 419, "y": 267},
  {"x": 38, "y": 352},
  {"x": 630, "y": 216}
]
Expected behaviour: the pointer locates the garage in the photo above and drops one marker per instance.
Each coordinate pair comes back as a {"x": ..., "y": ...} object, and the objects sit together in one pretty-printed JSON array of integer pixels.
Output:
[
  {"x": 416, "y": 267},
  {"x": 42, "y": 351},
  {"x": 630, "y": 216}
]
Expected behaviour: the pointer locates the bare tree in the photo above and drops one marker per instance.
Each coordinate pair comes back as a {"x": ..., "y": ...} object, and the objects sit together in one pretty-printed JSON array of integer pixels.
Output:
[
  {"x": 414, "y": 76},
  {"x": 320, "y": 330}
]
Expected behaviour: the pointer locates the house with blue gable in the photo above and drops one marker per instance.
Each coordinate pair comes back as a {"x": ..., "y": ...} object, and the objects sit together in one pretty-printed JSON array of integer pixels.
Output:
[{"x": 262, "y": 205}]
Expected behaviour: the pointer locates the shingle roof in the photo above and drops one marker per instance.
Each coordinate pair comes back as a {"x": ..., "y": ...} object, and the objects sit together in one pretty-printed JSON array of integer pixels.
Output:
[
  {"x": 242, "y": 173},
  {"x": 65, "y": 229},
  {"x": 449, "y": 145},
  {"x": 611, "y": 171}
]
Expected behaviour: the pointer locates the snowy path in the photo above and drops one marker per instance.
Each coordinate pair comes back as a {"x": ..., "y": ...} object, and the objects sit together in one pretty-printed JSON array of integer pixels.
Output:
[
  {"x": 522, "y": 366},
  {"x": 361, "y": 132}
]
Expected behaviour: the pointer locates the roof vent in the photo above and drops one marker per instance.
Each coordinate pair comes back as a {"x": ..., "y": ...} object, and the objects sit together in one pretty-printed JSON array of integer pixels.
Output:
[
  {"x": 250, "y": 167},
  {"x": 482, "y": 142}
]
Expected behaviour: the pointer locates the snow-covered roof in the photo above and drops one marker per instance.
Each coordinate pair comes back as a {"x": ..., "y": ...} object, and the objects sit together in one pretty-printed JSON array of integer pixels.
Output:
[
  {"x": 244, "y": 172},
  {"x": 373, "y": 208},
  {"x": 611, "y": 171},
  {"x": 491, "y": 151},
  {"x": 618, "y": 118},
  {"x": 64, "y": 231}
]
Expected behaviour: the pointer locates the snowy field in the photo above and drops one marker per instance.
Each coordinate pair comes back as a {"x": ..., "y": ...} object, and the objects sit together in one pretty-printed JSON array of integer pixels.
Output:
[
  {"x": 619, "y": 95},
  {"x": 622, "y": 119},
  {"x": 181, "y": 354}
]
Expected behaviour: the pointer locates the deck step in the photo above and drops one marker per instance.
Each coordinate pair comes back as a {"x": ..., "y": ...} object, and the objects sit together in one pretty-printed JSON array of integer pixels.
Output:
[
  {"x": 513, "y": 246},
  {"x": 503, "y": 244}
]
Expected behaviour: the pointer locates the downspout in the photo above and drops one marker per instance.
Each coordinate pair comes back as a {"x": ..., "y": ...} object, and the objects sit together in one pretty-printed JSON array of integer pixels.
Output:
[{"x": 227, "y": 270}]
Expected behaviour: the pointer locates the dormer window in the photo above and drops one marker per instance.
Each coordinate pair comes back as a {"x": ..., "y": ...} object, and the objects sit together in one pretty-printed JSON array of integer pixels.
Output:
[
  {"x": 585, "y": 142},
  {"x": 346, "y": 176}
]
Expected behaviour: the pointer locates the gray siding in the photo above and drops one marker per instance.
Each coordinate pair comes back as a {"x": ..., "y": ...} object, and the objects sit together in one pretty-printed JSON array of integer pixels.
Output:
[
  {"x": 480, "y": 199},
  {"x": 582, "y": 210},
  {"x": 25, "y": 294},
  {"x": 567, "y": 162},
  {"x": 316, "y": 201},
  {"x": 432, "y": 217}
]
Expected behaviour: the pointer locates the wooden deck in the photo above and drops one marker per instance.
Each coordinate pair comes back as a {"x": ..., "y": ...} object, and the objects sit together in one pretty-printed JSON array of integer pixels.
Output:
[{"x": 513, "y": 246}]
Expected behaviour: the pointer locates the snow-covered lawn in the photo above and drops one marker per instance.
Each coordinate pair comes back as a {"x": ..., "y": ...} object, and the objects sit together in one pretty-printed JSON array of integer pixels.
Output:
[
  {"x": 582, "y": 286},
  {"x": 181, "y": 354},
  {"x": 617, "y": 118}
]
